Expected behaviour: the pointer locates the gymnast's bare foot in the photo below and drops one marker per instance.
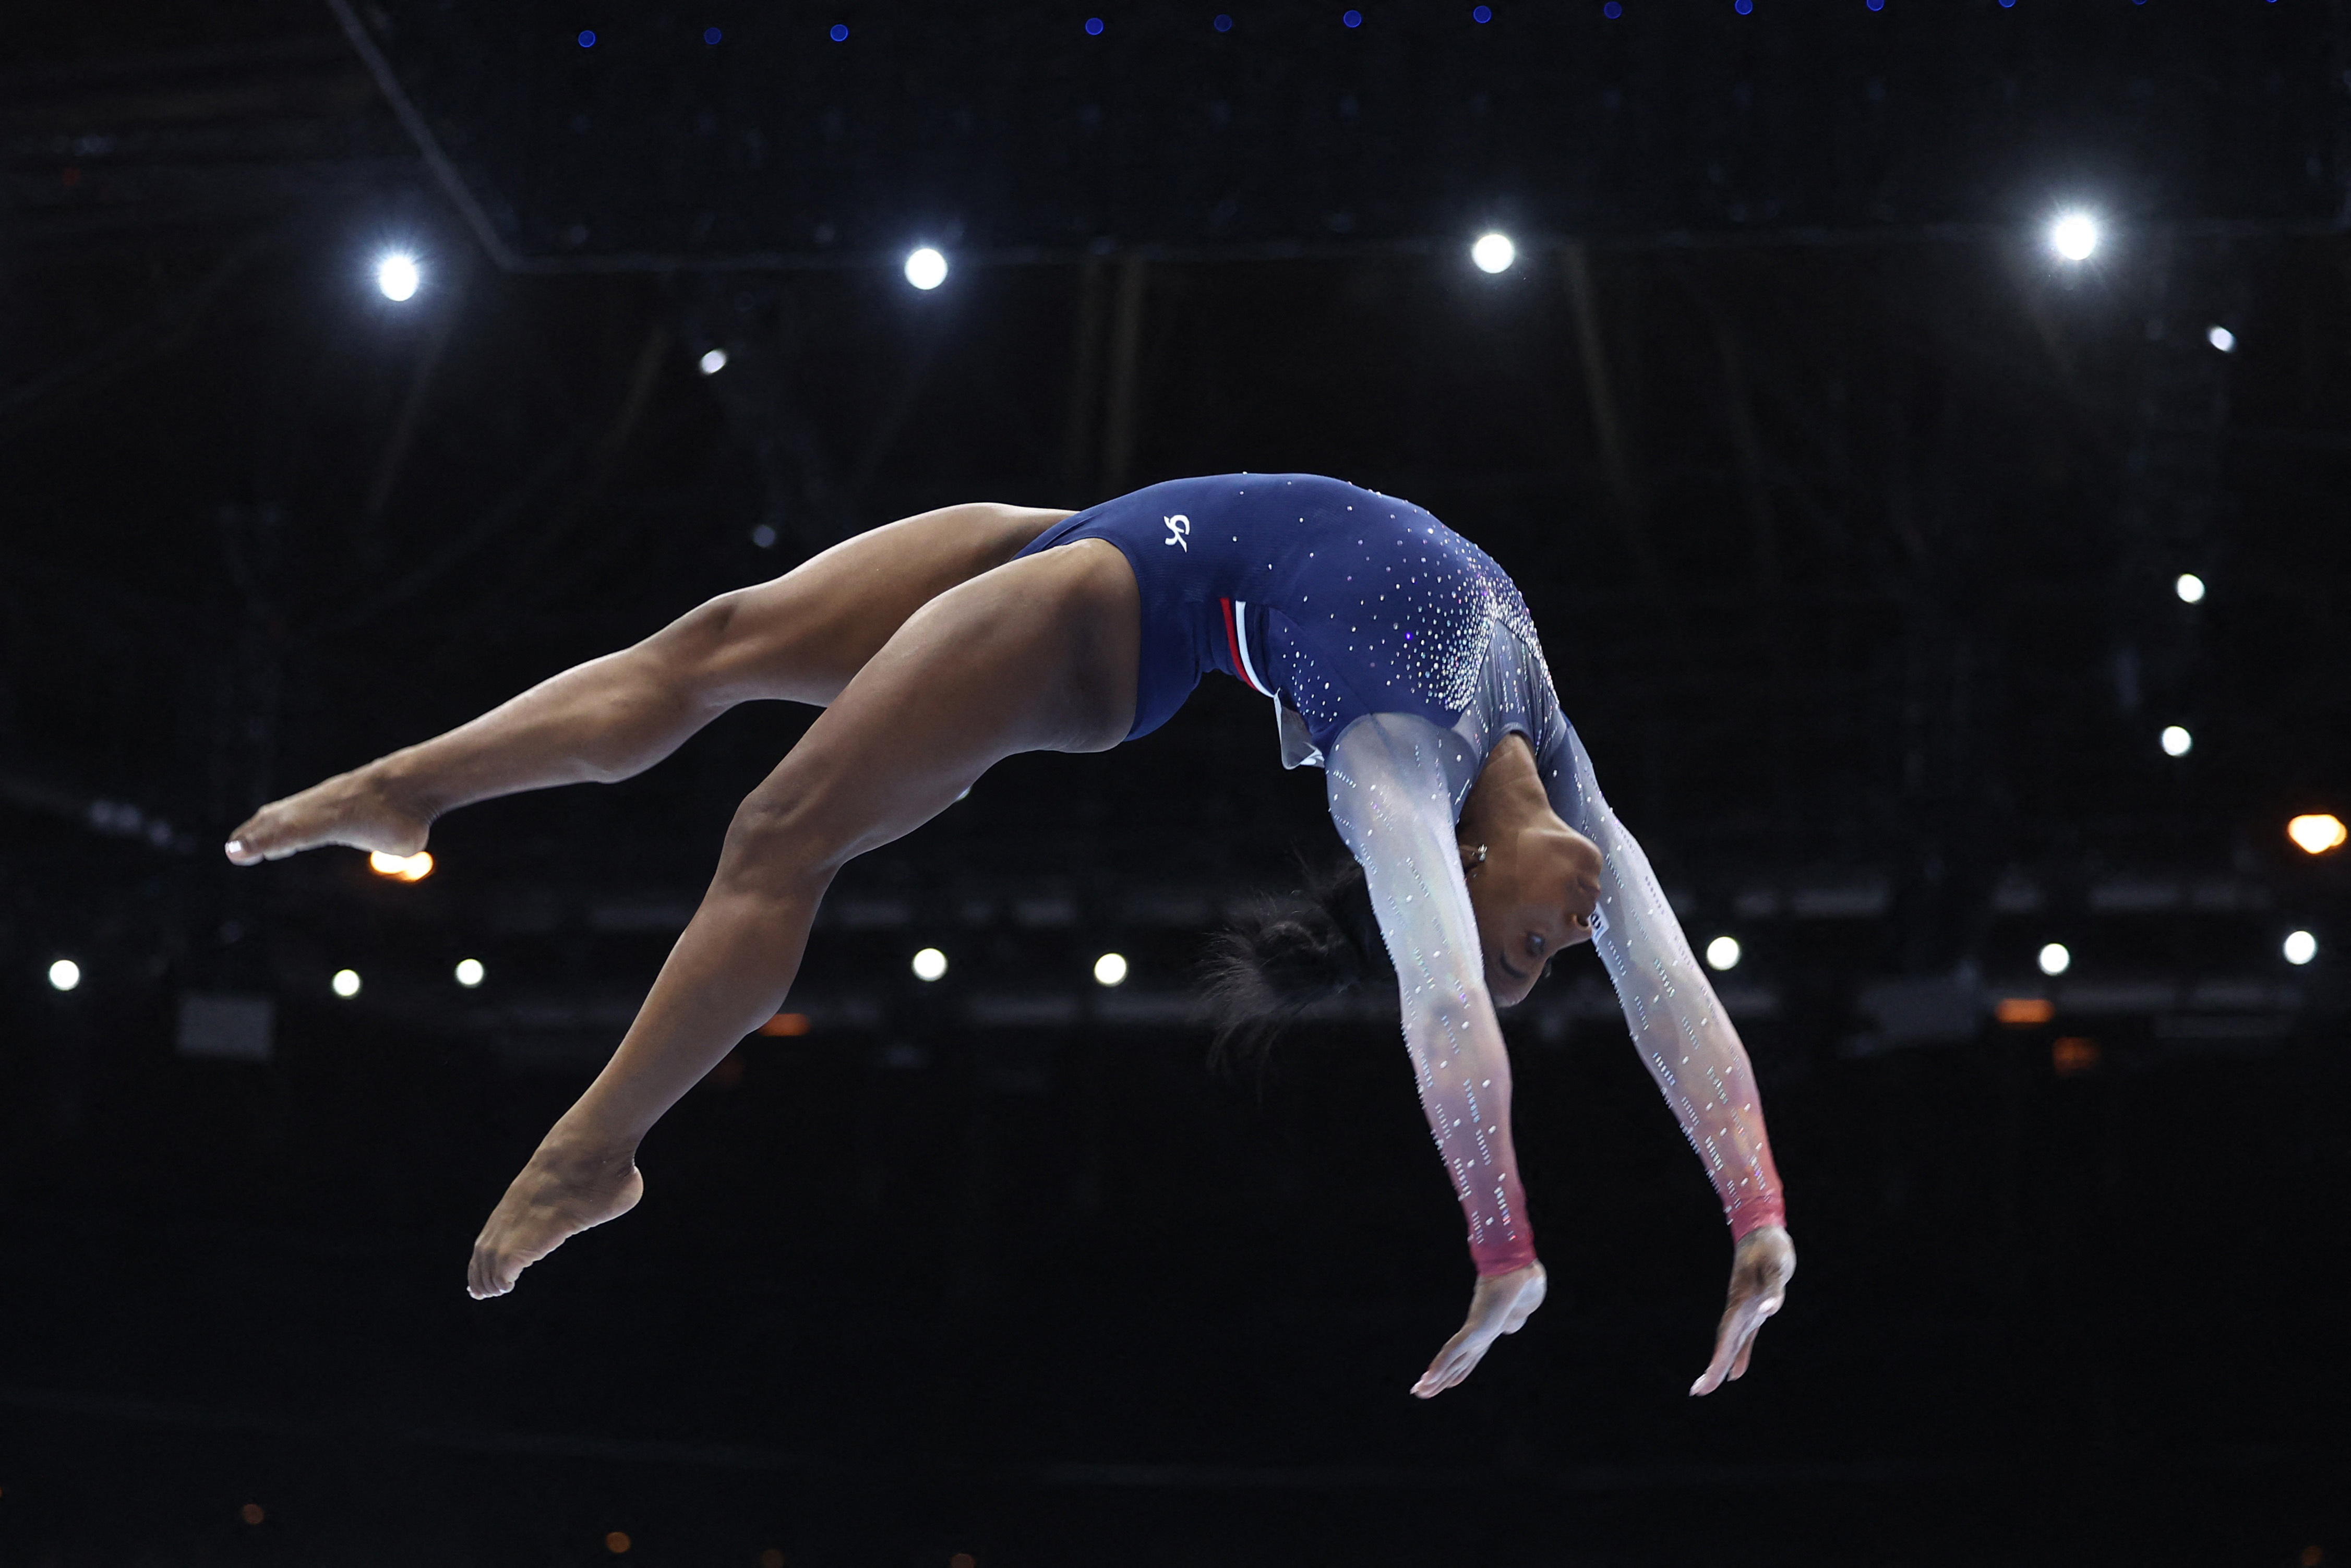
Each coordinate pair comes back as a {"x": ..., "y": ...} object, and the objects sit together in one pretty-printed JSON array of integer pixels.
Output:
[
  {"x": 558, "y": 1195},
  {"x": 358, "y": 808}
]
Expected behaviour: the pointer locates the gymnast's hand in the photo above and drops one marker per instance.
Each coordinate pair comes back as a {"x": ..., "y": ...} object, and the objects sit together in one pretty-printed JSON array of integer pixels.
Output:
[
  {"x": 1501, "y": 1305},
  {"x": 1759, "y": 1271}
]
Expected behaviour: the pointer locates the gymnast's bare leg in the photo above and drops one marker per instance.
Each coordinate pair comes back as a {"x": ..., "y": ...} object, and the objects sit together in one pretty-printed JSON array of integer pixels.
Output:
[
  {"x": 1036, "y": 655},
  {"x": 801, "y": 638}
]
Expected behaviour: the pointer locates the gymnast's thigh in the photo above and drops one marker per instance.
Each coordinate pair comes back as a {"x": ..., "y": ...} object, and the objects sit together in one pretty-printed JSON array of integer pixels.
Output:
[{"x": 1036, "y": 655}]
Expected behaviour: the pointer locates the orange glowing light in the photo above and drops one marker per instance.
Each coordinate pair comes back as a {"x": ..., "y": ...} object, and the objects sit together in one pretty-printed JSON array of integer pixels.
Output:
[
  {"x": 788, "y": 1025},
  {"x": 402, "y": 868},
  {"x": 2072, "y": 1056},
  {"x": 2311, "y": 1557},
  {"x": 771, "y": 1558},
  {"x": 2024, "y": 1010},
  {"x": 962, "y": 1559},
  {"x": 251, "y": 1513},
  {"x": 2317, "y": 833},
  {"x": 617, "y": 1542}
]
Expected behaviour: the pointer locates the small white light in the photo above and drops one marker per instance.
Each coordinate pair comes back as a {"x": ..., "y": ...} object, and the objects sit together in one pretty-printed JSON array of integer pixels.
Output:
[
  {"x": 2191, "y": 588},
  {"x": 402, "y": 868},
  {"x": 2221, "y": 339},
  {"x": 1722, "y": 953},
  {"x": 930, "y": 964},
  {"x": 714, "y": 361},
  {"x": 2177, "y": 742},
  {"x": 1110, "y": 969},
  {"x": 2054, "y": 959},
  {"x": 926, "y": 268},
  {"x": 470, "y": 973},
  {"x": 397, "y": 276},
  {"x": 1493, "y": 253},
  {"x": 346, "y": 983},
  {"x": 2300, "y": 947},
  {"x": 2074, "y": 237},
  {"x": 65, "y": 974}
]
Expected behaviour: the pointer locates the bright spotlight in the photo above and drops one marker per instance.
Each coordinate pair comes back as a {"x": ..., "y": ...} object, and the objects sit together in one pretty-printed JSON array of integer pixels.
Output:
[
  {"x": 2191, "y": 588},
  {"x": 2317, "y": 833},
  {"x": 930, "y": 964},
  {"x": 397, "y": 276},
  {"x": 1493, "y": 253},
  {"x": 346, "y": 983},
  {"x": 1110, "y": 969},
  {"x": 714, "y": 361},
  {"x": 64, "y": 974},
  {"x": 470, "y": 973},
  {"x": 2054, "y": 959},
  {"x": 402, "y": 868},
  {"x": 2074, "y": 237},
  {"x": 1722, "y": 953},
  {"x": 2177, "y": 741},
  {"x": 926, "y": 268},
  {"x": 2221, "y": 339},
  {"x": 2300, "y": 947}
]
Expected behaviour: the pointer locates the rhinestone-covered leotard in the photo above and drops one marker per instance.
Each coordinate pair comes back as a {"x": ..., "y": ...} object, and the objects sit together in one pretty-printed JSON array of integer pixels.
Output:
[{"x": 1397, "y": 655}]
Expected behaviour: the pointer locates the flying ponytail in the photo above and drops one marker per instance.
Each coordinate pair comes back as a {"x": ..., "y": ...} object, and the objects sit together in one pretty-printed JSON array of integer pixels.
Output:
[{"x": 1281, "y": 958}]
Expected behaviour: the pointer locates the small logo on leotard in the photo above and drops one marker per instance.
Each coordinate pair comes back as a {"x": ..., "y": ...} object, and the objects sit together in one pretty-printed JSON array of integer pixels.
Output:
[{"x": 1179, "y": 531}]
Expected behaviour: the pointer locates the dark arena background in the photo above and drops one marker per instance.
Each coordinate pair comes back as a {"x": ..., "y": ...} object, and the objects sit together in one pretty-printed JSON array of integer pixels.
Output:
[{"x": 1919, "y": 428}]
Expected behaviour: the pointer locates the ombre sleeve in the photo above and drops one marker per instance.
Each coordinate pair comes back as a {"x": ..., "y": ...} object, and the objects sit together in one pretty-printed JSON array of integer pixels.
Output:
[
  {"x": 1685, "y": 1039},
  {"x": 1392, "y": 807}
]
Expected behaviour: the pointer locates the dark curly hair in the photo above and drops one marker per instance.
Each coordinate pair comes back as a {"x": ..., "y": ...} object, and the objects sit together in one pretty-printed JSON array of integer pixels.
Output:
[{"x": 1283, "y": 957}]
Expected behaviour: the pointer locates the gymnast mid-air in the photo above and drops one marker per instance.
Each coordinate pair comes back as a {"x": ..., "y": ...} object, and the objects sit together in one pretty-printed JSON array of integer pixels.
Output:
[{"x": 1398, "y": 657}]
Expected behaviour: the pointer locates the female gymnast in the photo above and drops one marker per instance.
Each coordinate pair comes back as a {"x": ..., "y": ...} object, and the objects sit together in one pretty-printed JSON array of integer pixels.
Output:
[{"x": 1398, "y": 657}]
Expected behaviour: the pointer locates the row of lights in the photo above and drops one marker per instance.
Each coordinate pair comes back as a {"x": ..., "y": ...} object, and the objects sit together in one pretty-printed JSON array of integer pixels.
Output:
[
  {"x": 930, "y": 965},
  {"x": 2314, "y": 834},
  {"x": 2074, "y": 237}
]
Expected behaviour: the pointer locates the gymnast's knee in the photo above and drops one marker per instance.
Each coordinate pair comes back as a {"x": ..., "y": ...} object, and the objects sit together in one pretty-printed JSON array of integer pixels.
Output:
[{"x": 784, "y": 843}]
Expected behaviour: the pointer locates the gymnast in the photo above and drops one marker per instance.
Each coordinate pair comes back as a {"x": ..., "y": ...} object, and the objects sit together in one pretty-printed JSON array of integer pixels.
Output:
[{"x": 1396, "y": 655}]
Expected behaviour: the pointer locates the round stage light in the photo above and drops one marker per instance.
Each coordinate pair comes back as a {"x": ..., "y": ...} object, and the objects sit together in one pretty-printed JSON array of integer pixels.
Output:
[
  {"x": 2177, "y": 741},
  {"x": 2221, "y": 339},
  {"x": 2317, "y": 833},
  {"x": 930, "y": 964},
  {"x": 2191, "y": 588},
  {"x": 346, "y": 983},
  {"x": 1722, "y": 953},
  {"x": 397, "y": 276},
  {"x": 1110, "y": 969},
  {"x": 713, "y": 362},
  {"x": 1493, "y": 253},
  {"x": 926, "y": 268},
  {"x": 2054, "y": 959},
  {"x": 64, "y": 974},
  {"x": 470, "y": 973},
  {"x": 2074, "y": 237},
  {"x": 2300, "y": 947}
]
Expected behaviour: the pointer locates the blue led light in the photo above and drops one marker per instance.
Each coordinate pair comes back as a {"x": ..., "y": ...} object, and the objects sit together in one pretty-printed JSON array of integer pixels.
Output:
[
  {"x": 1483, "y": 14},
  {"x": 1224, "y": 23},
  {"x": 1353, "y": 18},
  {"x": 1611, "y": 10},
  {"x": 711, "y": 35},
  {"x": 587, "y": 39},
  {"x": 840, "y": 32},
  {"x": 1744, "y": 8},
  {"x": 1875, "y": 4},
  {"x": 1093, "y": 27}
]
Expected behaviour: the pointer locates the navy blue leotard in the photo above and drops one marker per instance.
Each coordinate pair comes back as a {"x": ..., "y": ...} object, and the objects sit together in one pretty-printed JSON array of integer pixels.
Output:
[{"x": 1398, "y": 655}]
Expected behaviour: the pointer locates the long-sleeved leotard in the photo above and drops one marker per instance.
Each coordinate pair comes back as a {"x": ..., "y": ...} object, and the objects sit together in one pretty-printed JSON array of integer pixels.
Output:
[{"x": 1398, "y": 655}]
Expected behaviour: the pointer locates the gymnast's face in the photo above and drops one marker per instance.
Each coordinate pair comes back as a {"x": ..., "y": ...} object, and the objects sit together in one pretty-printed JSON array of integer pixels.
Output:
[{"x": 1532, "y": 895}]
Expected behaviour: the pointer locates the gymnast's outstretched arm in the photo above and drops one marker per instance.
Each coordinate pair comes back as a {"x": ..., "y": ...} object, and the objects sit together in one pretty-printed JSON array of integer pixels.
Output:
[
  {"x": 1389, "y": 797},
  {"x": 1690, "y": 1049}
]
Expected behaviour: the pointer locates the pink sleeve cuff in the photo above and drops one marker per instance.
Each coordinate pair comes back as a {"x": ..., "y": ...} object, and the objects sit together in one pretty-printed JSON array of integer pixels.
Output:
[
  {"x": 1755, "y": 1215},
  {"x": 1507, "y": 1257}
]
